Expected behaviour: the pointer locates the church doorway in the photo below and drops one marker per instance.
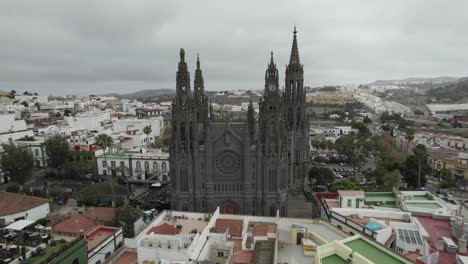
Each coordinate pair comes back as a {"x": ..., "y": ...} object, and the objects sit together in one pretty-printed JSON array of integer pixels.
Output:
[{"x": 228, "y": 209}]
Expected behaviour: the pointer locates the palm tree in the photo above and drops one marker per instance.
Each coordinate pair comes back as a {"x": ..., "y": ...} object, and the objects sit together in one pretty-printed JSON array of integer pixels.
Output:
[
  {"x": 409, "y": 137},
  {"x": 105, "y": 141},
  {"x": 147, "y": 130}
]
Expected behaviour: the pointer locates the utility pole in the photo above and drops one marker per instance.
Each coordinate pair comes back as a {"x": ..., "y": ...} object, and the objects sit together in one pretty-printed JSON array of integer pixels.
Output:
[{"x": 419, "y": 173}]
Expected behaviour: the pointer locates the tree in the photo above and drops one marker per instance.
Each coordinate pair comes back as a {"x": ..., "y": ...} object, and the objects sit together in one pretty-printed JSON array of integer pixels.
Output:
[
  {"x": 105, "y": 141},
  {"x": 125, "y": 216},
  {"x": 16, "y": 163},
  {"x": 367, "y": 120},
  {"x": 57, "y": 150},
  {"x": 457, "y": 124},
  {"x": 77, "y": 169},
  {"x": 417, "y": 167},
  {"x": 320, "y": 176},
  {"x": 447, "y": 179},
  {"x": 38, "y": 106},
  {"x": 12, "y": 93},
  {"x": 98, "y": 194},
  {"x": 67, "y": 112},
  {"x": 391, "y": 179},
  {"x": 342, "y": 185},
  {"x": 147, "y": 130}
]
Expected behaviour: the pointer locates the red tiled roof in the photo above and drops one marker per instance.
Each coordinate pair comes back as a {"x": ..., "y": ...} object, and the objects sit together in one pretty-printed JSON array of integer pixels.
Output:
[
  {"x": 262, "y": 229},
  {"x": 164, "y": 229},
  {"x": 322, "y": 195},
  {"x": 11, "y": 203},
  {"x": 234, "y": 227},
  {"x": 96, "y": 236},
  {"x": 78, "y": 224},
  {"x": 105, "y": 214}
]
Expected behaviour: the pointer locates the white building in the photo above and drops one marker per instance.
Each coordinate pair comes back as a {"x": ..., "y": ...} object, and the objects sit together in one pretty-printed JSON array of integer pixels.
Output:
[
  {"x": 103, "y": 241},
  {"x": 14, "y": 207},
  {"x": 11, "y": 129},
  {"x": 138, "y": 164}
]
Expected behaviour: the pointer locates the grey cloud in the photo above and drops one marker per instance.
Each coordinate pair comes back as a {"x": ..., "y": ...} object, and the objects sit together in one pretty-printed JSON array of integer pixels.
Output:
[{"x": 106, "y": 46}]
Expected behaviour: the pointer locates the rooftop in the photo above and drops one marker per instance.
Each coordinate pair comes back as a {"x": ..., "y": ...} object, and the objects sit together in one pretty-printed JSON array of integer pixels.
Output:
[
  {"x": 11, "y": 203},
  {"x": 128, "y": 257},
  {"x": 78, "y": 224},
  {"x": 232, "y": 226},
  {"x": 437, "y": 228},
  {"x": 163, "y": 229},
  {"x": 350, "y": 193},
  {"x": 371, "y": 252},
  {"x": 99, "y": 234}
]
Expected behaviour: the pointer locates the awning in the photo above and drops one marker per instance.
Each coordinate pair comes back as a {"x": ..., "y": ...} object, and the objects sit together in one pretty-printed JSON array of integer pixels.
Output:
[{"x": 20, "y": 225}]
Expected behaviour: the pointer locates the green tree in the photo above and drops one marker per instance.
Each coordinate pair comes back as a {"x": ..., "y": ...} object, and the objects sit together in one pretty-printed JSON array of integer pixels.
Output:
[
  {"x": 67, "y": 112},
  {"x": 16, "y": 163},
  {"x": 447, "y": 179},
  {"x": 391, "y": 179},
  {"x": 147, "y": 130},
  {"x": 98, "y": 194},
  {"x": 320, "y": 176},
  {"x": 125, "y": 216},
  {"x": 57, "y": 151},
  {"x": 367, "y": 120},
  {"x": 417, "y": 167},
  {"x": 342, "y": 185},
  {"x": 77, "y": 169},
  {"x": 104, "y": 141}
]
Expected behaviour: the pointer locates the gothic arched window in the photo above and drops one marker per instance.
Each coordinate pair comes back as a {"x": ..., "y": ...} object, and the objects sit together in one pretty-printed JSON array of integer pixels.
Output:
[
  {"x": 164, "y": 166},
  {"x": 146, "y": 166},
  {"x": 138, "y": 166}
]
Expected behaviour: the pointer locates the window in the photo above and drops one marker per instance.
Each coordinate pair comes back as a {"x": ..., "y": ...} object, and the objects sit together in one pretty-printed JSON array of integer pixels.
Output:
[
  {"x": 155, "y": 166},
  {"x": 146, "y": 166},
  {"x": 349, "y": 202},
  {"x": 138, "y": 166},
  {"x": 104, "y": 164},
  {"x": 112, "y": 164},
  {"x": 122, "y": 164},
  {"x": 36, "y": 152},
  {"x": 164, "y": 167},
  {"x": 220, "y": 254}
]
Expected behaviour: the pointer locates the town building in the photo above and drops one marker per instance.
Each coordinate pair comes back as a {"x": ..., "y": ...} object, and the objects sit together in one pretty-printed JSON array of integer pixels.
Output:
[
  {"x": 14, "y": 207},
  {"x": 244, "y": 166}
]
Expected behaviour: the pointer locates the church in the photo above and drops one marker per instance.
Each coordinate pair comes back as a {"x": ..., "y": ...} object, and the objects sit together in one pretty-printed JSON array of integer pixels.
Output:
[{"x": 246, "y": 166}]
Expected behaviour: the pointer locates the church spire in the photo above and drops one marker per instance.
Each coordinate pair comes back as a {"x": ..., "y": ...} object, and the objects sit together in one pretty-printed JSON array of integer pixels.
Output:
[
  {"x": 198, "y": 84},
  {"x": 183, "y": 91},
  {"x": 294, "y": 50}
]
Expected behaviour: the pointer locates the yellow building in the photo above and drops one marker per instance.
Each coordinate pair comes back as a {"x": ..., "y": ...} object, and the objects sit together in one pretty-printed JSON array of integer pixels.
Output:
[{"x": 330, "y": 98}]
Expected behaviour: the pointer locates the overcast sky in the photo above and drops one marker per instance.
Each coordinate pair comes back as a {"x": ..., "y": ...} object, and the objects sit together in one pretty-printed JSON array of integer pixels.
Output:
[{"x": 80, "y": 47}]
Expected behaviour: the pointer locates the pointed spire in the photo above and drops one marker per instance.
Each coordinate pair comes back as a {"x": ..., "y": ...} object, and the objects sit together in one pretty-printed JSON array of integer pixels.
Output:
[
  {"x": 198, "y": 82},
  {"x": 294, "y": 50},
  {"x": 182, "y": 55},
  {"x": 271, "y": 59}
]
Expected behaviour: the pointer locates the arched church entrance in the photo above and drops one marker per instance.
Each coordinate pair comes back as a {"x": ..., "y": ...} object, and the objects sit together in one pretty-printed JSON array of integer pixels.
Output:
[{"x": 228, "y": 209}]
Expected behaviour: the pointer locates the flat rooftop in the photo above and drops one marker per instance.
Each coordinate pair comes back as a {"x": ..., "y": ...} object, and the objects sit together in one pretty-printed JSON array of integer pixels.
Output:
[
  {"x": 96, "y": 236},
  {"x": 293, "y": 254},
  {"x": 128, "y": 257},
  {"x": 437, "y": 228},
  {"x": 372, "y": 252}
]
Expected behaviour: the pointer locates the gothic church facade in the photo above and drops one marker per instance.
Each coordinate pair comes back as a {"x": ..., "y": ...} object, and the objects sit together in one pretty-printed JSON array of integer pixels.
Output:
[{"x": 244, "y": 167}]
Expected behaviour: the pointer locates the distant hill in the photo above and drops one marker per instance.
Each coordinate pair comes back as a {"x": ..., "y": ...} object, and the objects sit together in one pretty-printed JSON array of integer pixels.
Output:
[
  {"x": 151, "y": 93},
  {"x": 457, "y": 91},
  {"x": 416, "y": 81}
]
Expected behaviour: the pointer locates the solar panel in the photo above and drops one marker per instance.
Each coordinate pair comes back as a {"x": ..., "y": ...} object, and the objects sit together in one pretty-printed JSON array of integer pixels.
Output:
[{"x": 410, "y": 236}]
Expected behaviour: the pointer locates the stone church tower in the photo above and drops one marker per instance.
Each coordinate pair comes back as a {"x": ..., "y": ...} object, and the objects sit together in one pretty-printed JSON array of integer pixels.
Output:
[
  {"x": 242, "y": 166},
  {"x": 296, "y": 119}
]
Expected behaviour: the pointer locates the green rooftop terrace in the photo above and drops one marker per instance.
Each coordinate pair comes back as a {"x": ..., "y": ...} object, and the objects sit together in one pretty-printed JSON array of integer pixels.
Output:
[
  {"x": 433, "y": 205},
  {"x": 333, "y": 259},
  {"x": 372, "y": 252},
  {"x": 387, "y": 199}
]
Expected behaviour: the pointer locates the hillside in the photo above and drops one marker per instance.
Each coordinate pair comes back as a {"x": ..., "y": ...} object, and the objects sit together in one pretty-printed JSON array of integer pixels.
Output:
[
  {"x": 151, "y": 93},
  {"x": 455, "y": 92}
]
